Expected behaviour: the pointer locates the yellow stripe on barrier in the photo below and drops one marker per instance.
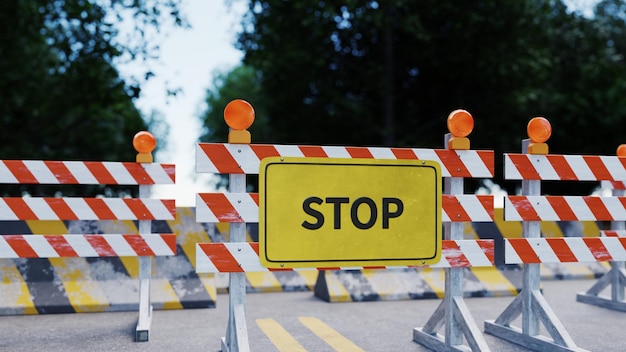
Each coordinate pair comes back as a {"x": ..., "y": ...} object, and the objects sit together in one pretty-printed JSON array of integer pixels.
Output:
[
  {"x": 436, "y": 279},
  {"x": 590, "y": 229},
  {"x": 508, "y": 229},
  {"x": 84, "y": 294},
  {"x": 551, "y": 229},
  {"x": 14, "y": 291},
  {"x": 46, "y": 227},
  {"x": 494, "y": 281},
  {"x": 263, "y": 282}
]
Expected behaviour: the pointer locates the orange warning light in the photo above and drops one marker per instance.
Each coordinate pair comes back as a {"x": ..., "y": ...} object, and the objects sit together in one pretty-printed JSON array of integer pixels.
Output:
[
  {"x": 621, "y": 150},
  {"x": 460, "y": 123},
  {"x": 539, "y": 130},
  {"x": 144, "y": 142},
  {"x": 239, "y": 114}
]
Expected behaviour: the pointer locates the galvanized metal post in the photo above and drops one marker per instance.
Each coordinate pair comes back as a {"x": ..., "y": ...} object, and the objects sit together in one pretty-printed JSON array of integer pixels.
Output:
[
  {"x": 452, "y": 312},
  {"x": 142, "y": 331},
  {"x": 530, "y": 302},
  {"x": 236, "y": 332}
]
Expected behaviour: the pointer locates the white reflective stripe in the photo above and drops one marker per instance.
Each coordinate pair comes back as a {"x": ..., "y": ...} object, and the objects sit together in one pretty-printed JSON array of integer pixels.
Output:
[
  {"x": 510, "y": 212},
  {"x": 81, "y": 173},
  {"x": 474, "y": 253},
  {"x": 474, "y": 208},
  {"x": 246, "y": 257},
  {"x": 430, "y": 154},
  {"x": 543, "y": 250},
  {"x": 203, "y": 263},
  {"x": 543, "y": 208},
  {"x": 580, "y": 250},
  {"x": 245, "y": 206},
  {"x": 510, "y": 170},
  {"x": 41, "y": 171},
  {"x": 157, "y": 173},
  {"x": 615, "y": 207},
  {"x": 42, "y": 247},
  {"x": 6, "y": 176},
  {"x": 157, "y": 244},
  {"x": 580, "y": 168},
  {"x": 615, "y": 248},
  {"x": 5, "y": 211},
  {"x": 336, "y": 152},
  {"x": 41, "y": 209},
  {"x": 119, "y": 209},
  {"x": 510, "y": 254},
  {"x": 119, "y": 173},
  {"x": 120, "y": 245},
  {"x": 5, "y": 250},
  {"x": 382, "y": 153},
  {"x": 158, "y": 209},
  {"x": 80, "y": 208},
  {"x": 81, "y": 246},
  {"x": 580, "y": 208},
  {"x": 614, "y": 166},
  {"x": 203, "y": 163},
  {"x": 474, "y": 163},
  {"x": 543, "y": 167},
  {"x": 203, "y": 212},
  {"x": 245, "y": 157}
]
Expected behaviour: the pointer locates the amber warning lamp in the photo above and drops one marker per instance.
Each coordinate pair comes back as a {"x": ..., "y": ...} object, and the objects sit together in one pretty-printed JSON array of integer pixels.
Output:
[
  {"x": 144, "y": 143},
  {"x": 239, "y": 115},
  {"x": 460, "y": 125},
  {"x": 539, "y": 131}
]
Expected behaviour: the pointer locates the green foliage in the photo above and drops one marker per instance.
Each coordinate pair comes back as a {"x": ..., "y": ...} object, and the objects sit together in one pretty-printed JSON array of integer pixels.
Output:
[
  {"x": 389, "y": 73},
  {"x": 61, "y": 97}
]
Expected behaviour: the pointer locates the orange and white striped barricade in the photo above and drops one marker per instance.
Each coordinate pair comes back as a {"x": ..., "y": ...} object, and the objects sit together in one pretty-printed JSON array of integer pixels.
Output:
[
  {"x": 616, "y": 276},
  {"x": 144, "y": 244},
  {"x": 238, "y": 208},
  {"x": 532, "y": 166},
  {"x": 452, "y": 313}
]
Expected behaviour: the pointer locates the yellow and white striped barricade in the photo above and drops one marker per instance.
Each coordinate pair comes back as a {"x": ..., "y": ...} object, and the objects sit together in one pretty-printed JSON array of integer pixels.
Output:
[
  {"x": 534, "y": 165},
  {"x": 53, "y": 245}
]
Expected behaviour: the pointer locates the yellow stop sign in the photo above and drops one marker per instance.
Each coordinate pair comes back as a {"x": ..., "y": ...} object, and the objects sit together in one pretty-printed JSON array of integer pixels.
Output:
[{"x": 336, "y": 212}]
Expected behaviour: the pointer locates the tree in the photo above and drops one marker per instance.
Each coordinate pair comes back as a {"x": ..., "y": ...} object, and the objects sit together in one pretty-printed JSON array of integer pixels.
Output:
[
  {"x": 388, "y": 73},
  {"x": 61, "y": 97}
]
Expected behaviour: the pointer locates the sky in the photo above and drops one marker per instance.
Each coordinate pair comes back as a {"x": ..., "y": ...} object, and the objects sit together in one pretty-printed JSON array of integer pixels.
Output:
[{"x": 188, "y": 59}]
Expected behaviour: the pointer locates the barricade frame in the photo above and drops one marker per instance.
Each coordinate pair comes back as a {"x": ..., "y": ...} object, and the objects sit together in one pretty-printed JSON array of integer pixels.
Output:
[
  {"x": 238, "y": 158},
  {"x": 144, "y": 244}
]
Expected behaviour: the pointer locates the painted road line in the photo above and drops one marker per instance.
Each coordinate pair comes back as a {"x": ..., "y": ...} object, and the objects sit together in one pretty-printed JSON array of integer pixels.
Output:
[
  {"x": 283, "y": 341},
  {"x": 335, "y": 340}
]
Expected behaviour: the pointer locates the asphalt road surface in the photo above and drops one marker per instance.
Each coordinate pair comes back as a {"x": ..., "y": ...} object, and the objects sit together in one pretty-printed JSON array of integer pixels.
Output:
[{"x": 297, "y": 321}]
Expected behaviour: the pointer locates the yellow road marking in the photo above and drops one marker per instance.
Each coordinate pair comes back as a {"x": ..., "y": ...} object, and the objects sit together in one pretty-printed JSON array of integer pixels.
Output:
[
  {"x": 335, "y": 340},
  {"x": 279, "y": 336}
]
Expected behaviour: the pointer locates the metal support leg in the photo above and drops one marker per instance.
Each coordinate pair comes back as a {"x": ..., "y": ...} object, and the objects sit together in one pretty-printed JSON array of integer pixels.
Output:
[
  {"x": 530, "y": 303},
  {"x": 452, "y": 311}
]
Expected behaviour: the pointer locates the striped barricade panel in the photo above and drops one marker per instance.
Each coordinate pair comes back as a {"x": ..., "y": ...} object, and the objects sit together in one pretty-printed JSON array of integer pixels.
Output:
[
  {"x": 613, "y": 233},
  {"x": 14, "y": 208},
  {"x": 564, "y": 167},
  {"x": 108, "y": 245},
  {"x": 85, "y": 172},
  {"x": 244, "y": 257},
  {"x": 244, "y": 207},
  {"x": 564, "y": 250},
  {"x": 224, "y": 158},
  {"x": 564, "y": 208}
]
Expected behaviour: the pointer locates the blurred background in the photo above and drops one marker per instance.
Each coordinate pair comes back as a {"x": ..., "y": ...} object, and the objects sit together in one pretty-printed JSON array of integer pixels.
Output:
[{"x": 81, "y": 77}]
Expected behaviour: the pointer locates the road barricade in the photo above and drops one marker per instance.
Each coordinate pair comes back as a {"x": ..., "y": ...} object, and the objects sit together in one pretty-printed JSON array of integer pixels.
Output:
[
  {"x": 53, "y": 246},
  {"x": 533, "y": 166},
  {"x": 238, "y": 158}
]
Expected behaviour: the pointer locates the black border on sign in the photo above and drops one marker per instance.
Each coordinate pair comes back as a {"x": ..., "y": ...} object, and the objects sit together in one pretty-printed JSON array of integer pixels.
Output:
[{"x": 344, "y": 260}]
